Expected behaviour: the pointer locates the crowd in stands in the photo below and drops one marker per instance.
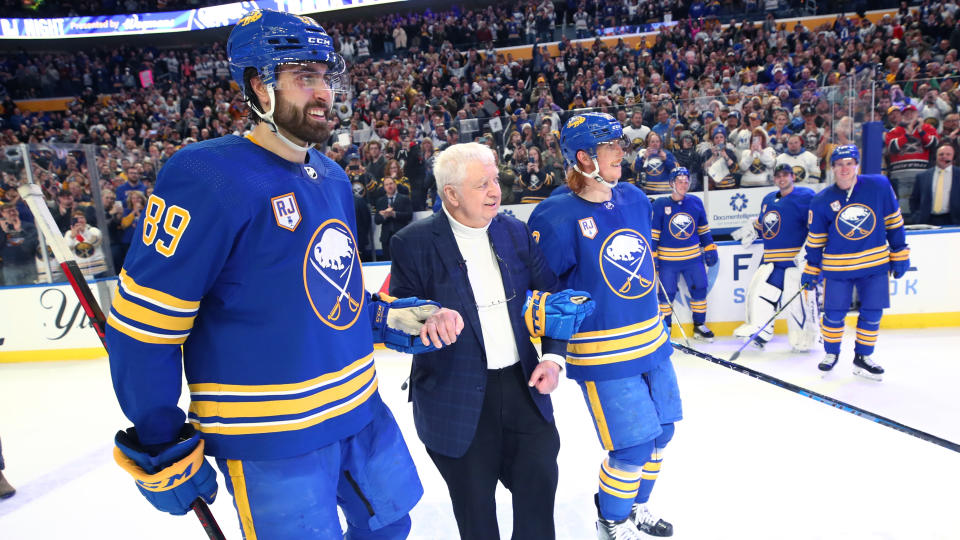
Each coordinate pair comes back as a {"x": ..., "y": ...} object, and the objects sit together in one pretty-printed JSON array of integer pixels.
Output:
[{"x": 727, "y": 102}]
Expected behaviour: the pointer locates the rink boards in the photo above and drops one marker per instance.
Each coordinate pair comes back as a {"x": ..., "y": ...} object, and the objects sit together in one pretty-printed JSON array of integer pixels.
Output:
[{"x": 45, "y": 322}]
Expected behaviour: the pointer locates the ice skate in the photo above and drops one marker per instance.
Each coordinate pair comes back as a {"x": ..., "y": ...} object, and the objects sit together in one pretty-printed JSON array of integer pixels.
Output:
[
  {"x": 617, "y": 530},
  {"x": 701, "y": 332},
  {"x": 6, "y": 490},
  {"x": 649, "y": 524},
  {"x": 866, "y": 368},
  {"x": 827, "y": 363}
]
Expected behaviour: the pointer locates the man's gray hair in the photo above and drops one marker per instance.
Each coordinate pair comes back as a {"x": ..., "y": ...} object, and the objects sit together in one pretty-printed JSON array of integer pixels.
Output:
[{"x": 450, "y": 166}]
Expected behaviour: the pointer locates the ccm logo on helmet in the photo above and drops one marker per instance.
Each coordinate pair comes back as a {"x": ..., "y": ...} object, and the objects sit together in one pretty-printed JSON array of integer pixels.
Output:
[{"x": 319, "y": 40}]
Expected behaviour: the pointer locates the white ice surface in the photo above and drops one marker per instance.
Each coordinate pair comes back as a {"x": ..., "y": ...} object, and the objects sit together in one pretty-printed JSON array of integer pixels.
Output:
[{"x": 749, "y": 460}]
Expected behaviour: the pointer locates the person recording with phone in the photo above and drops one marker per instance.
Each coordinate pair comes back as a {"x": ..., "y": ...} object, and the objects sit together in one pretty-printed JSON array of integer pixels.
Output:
[
  {"x": 18, "y": 244},
  {"x": 537, "y": 179},
  {"x": 757, "y": 162}
]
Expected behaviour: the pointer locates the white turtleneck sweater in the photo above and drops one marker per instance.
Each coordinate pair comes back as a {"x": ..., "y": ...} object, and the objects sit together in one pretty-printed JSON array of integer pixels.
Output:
[{"x": 483, "y": 272}]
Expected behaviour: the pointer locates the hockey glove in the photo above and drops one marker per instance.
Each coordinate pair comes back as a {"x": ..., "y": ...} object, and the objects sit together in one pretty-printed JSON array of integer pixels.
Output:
[
  {"x": 900, "y": 263},
  {"x": 556, "y": 315},
  {"x": 172, "y": 479},
  {"x": 396, "y": 322},
  {"x": 810, "y": 278},
  {"x": 746, "y": 235},
  {"x": 710, "y": 255}
]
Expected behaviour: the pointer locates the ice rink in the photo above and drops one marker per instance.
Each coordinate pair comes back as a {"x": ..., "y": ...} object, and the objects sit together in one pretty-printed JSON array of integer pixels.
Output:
[{"x": 749, "y": 460}]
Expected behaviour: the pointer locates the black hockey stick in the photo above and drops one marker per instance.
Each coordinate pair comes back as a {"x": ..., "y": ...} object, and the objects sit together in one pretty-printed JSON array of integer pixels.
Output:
[
  {"x": 846, "y": 407},
  {"x": 734, "y": 356},
  {"x": 34, "y": 198}
]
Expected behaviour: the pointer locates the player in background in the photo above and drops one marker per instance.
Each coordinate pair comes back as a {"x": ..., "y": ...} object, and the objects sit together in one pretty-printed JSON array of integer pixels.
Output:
[
  {"x": 597, "y": 239},
  {"x": 681, "y": 246},
  {"x": 856, "y": 239},
  {"x": 247, "y": 259},
  {"x": 782, "y": 225}
]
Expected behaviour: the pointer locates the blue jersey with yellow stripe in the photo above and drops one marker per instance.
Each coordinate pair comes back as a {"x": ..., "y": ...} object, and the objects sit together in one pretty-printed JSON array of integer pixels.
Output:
[
  {"x": 680, "y": 230},
  {"x": 249, "y": 263},
  {"x": 782, "y": 224},
  {"x": 857, "y": 232},
  {"x": 604, "y": 248}
]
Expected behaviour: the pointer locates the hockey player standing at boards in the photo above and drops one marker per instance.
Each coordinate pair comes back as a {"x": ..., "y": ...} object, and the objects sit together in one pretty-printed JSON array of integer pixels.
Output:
[
  {"x": 596, "y": 238},
  {"x": 681, "y": 245},
  {"x": 856, "y": 238},
  {"x": 248, "y": 260},
  {"x": 782, "y": 224}
]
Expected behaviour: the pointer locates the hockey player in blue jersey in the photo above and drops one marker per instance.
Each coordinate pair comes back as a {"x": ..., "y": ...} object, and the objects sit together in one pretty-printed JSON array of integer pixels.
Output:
[
  {"x": 782, "y": 225},
  {"x": 681, "y": 245},
  {"x": 597, "y": 239},
  {"x": 856, "y": 239},
  {"x": 246, "y": 273}
]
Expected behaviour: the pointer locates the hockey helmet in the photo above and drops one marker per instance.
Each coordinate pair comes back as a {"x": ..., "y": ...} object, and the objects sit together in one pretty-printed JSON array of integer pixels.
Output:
[
  {"x": 264, "y": 39},
  {"x": 679, "y": 171},
  {"x": 587, "y": 130},
  {"x": 843, "y": 152}
]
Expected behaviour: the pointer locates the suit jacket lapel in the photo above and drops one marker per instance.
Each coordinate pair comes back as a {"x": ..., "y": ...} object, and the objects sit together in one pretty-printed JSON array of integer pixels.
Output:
[{"x": 449, "y": 254}]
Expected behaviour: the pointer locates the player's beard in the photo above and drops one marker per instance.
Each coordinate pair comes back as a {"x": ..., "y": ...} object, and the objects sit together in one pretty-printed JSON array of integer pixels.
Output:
[{"x": 296, "y": 122}]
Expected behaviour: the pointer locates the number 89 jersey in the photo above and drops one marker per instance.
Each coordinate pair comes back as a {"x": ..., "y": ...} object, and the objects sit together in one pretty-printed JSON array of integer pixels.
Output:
[
  {"x": 249, "y": 262},
  {"x": 604, "y": 248}
]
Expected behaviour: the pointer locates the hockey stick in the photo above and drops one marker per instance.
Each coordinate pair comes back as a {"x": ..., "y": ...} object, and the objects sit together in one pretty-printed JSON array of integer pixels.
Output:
[
  {"x": 836, "y": 403},
  {"x": 679, "y": 324},
  {"x": 32, "y": 195},
  {"x": 734, "y": 356}
]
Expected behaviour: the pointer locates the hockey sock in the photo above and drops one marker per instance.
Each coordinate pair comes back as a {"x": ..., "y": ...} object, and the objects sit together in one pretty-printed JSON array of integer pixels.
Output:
[
  {"x": 651, "y": 469},
  {"x": 831, "y": 326},
  {"x": 868, "y": 326},
  {"x": 620, "y": 480},
  {"x": 699, "y": 309}
]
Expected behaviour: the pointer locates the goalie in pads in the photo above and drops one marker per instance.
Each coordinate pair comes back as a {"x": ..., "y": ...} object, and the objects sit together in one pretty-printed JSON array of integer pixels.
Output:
[{"x": 782, "y": 225}]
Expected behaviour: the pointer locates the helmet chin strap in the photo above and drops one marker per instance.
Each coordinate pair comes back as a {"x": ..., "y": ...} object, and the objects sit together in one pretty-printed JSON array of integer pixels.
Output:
[
  {"x": 268, "y": 118},
  {"x": 595, "y": 174}
]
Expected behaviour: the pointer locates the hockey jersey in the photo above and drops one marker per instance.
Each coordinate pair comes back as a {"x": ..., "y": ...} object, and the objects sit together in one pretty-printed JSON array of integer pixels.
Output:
[
  {"x": 846, "y": 238},
  {"x": 757, "y": 169},
  {"x": 680, "y": 230},
  {"x": 805, "y": 165},
  {"x": 782, "y": 224},
  {"x": 604, "y": 248},
  {"x": 653, "y": 172},
  {"x": 249, "y": 263}
]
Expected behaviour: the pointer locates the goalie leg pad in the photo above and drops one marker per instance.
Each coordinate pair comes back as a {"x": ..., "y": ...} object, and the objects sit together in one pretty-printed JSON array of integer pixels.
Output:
[
  {"x": 802, "y": 315},
  {"x": 762, "y": 298}
]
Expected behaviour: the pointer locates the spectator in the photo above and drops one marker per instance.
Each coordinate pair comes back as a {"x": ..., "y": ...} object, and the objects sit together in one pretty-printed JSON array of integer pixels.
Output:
[
  {"x": 63, "y": 210},
  {"x": 908, "y": 146},
  {"x": 18, "y": 244},
  {"x": 537, "y": 179},
  {"x": 130, "y": 223},
  {"x": 720, "y": 162},
  {"x": 758, "y": 161},
  {"x": 86, "y": 244},
  {"x": 936, "y": 193},
  {"x": 806, "y": 166},
  {"x": 114, "y": 212},
  {"x": 393, "y": 211},
  {"x": 653, "y": 166},
  {"x": 688, "y": 157}
]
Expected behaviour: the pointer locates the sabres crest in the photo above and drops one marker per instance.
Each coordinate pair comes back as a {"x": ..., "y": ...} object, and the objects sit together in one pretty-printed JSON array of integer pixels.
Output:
[
  {"x": 627, "y": 264},
  {"x": 856, "y": 221},
  {"x": 682, "y": 226},
  {"x": 332, "y": 276},
  {"x": 575, "y": 121},
  {"x": 286, "y": 211},
  {"x": 253, "y": 16},
  {"x": 588, "y": 227}
]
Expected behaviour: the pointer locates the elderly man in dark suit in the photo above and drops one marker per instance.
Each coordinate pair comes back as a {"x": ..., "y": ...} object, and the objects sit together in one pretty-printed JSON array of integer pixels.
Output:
[
  {"x": 936, "y": 193},
  {"x": 480, "y": 405}
]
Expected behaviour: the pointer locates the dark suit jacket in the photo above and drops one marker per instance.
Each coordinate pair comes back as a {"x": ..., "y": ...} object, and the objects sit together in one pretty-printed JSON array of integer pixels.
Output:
[
  {"x": 921, "y": 200},
  {"x": 389, "y": 226},
  {"x": 447, "y": 386}
]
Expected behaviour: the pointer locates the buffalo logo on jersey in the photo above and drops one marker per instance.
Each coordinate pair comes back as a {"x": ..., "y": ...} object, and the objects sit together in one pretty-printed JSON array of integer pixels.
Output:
[
  {"x": 799, "y": 172},
  {"x": 756, "y": 167},
  {"x": 654, "y": 166},
  {"x": 286, "y": 211},
  {"x": 84, "y": 250},
  {"x": 856, "y": 221},
  {"x": 682, "y": 226},
  {"x": 771, "y": 225},
  {"x": 332, "y": 276},
  {"x": 627, "y": 264}
]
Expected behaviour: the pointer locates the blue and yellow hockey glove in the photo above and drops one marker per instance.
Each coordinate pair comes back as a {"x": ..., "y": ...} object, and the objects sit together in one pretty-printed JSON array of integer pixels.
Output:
[
  {"x": 810, "y": 277},
  {"x": 556, "y": 315},
  {"x": 172, "y": 479},
  {"x": 710, "y": 255},
  {"x": 900, "y": 262},
  {"x": 396, "y": 322}
]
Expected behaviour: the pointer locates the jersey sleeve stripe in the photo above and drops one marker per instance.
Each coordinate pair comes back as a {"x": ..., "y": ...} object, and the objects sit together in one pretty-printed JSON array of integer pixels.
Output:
[
  {"x": 160, "y": 298},
  {"x": 143, "y": 335},
  {"x": 902, "y": 255},
  {"x": 217, "y": 389},
  {"x": 143, "y": 315},
  {"x": 252, "y": 428}
]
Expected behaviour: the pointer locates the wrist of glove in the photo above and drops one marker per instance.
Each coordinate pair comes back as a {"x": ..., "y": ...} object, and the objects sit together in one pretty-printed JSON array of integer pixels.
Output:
[
  {"x": 556, "y": 315},
  {"x": 810, "y": 277},
  {"x": 173, "y": 478},
  {"x": 898, "y": 267},
  {"x": 710, "y": 255},
  {"x": 396, "y": 322}
]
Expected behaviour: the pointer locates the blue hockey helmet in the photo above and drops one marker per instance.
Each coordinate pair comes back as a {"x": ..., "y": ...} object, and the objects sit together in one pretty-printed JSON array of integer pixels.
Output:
[
  {"x": 587, "y": 130},
  {"x": 679, "y": 171},
  {"x": 264, "y": 39},
  {"x": 845, "y": 151}
]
